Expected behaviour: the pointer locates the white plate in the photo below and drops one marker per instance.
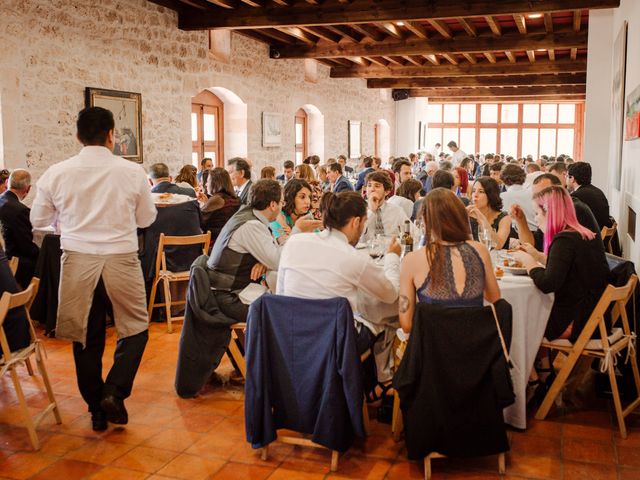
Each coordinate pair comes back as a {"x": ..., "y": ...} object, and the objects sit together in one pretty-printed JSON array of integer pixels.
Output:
[
  {"x": 174, "y": 199},
  {"x": 515, "y": 270}
]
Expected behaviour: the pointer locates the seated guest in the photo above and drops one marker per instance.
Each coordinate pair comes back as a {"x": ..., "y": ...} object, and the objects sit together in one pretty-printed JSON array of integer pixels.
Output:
[
  {"x": 15, "y": 325},
  {"x": 451, "y": 269},
  {"x": 245, "y": 248},
  {"x": 461, "y": 182},
  {"x": 495, "y": 171},
  {"x": 16, "y": 226},
  {"x": 513, "y": 177},
  {"x": 338, "y": 182},
  {"x": 579, "y": 183},
  {"x": 221, "y": 205},
  {"x": 297, "y": 202},
  {"x": 240, "y": 173},
  {"x": 316, "y": 197},
  {"x": 187, "y": 177},
  {"x": 441, "y": 179},
  {"x": 486, "y": 212},
  {"x": 306, "y": 275},
  {"x": 406, "y": 195},
  {"x": 402, "y": 170},
  {"x": 206, "y": 164},
  {"x": 288, "y": 172},
  {"x": 576, "y": 267},
  {"x": 325, "y": 184},
  {"x": 162, "y": 181},
  {"x": 471, "y": 166},
  {"x": 4, "y": 176},
  {"x": 559, "y": 169},
  {"x": 342, "y": 160},
  {"x": 305, "y": 172},
  {"x": 367, "y": 164},
  {"x": 430, "y": 169},
  {"x": 384, "y": 218},
  {"x": 268, "y": 173}
]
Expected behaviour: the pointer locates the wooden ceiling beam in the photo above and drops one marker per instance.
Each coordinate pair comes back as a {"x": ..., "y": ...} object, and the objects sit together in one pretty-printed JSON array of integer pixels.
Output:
[
  {"x": 323, "y": 33},
  {"x": 432, "y": 59},
  {"x": 225, "y": 3},
  {"x": 391, "y": 29},
  {"x": 450, "y": 58},
  {"x": 412, "y": 60},
  {"x": 532, "y": 56},
  {"x": 442, "y": 28},
  {"x": 417, "y": 29},
  {"x": 511, "y": 42},
  {"x": 367, "y": 31},
  {"x": 344, "y": 31},
  {"x": 471, "y": 58},
  {"x": 493, "y": 25},
  {"x": 548, "y": 23},
  {"x": 510, "y": 56},
  {"x": 498, "y": 68},
  {"x": 493, "y": 99},
  {"x": 490, "y": 56},
  {"x": 362, "y": 11},
  {"x": 469, "y": 27},
  {"x": 486, "y": 81},
  {"x": 521, "y": 92},
  {"x": 299, "y": 34},
  {"x": 521, "y": 23}
]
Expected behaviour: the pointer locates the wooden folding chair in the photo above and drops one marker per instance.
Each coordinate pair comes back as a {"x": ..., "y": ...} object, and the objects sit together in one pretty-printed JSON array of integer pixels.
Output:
[
  {"x": 168, "y": 277},
  {"x": 399, "y": 346},
  {"x": 428, "y": 458},
  {"x": 606, "y": 348},
  {"x": 607, "y": 234},
  {"x": 10, "y": 360},
  {"x": 13, "y": 265},
  {"x": 233, "y": 352}
]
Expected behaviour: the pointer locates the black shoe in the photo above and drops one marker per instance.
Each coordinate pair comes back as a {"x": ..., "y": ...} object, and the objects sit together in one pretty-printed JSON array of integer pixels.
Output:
[
  {"x": 114, "y": 409},
  {"x": 99, "y": 421}
]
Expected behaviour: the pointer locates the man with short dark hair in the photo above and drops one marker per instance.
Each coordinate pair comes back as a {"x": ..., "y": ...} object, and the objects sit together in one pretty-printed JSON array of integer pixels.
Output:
[
  {"x": 16, "y": 226},
  {"x": 240, "y": 173},
  {"x": 513, "y": 177},
  {"x": 342, "y": 160},
  {"x": 559, "y": 169},
  {"x": 457, "y": 155},
  {"x": 338, "y": 182},
  {"x": 368, "y": 168},
  {"x": 98, "y": 201},
  {"x": 163, "y": 182},
  {"x": 384, "y": 218},
  {"x": 402, "y": 170},
  {"x": 580, "y": 186},
  {"x": 206, "y": 164},
  {"x": 287, "y": 174}
]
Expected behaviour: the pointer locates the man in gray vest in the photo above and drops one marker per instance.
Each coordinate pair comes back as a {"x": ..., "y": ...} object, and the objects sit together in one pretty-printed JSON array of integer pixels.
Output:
[{"x": 245, "y": 248}]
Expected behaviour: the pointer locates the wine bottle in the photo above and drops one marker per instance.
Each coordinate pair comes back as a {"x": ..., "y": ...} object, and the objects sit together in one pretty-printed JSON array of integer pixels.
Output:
[{"x": 406, "y": 240}]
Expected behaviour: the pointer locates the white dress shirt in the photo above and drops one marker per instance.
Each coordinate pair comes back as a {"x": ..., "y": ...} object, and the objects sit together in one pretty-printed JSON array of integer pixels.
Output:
[
  {"x": 457, "y": 157},
  {"x": 97, "y": 199},
  {"x": 393, "y": 218},
  {"x": 241, "y": 188},
  {"x": 323, "y": 265},
  {"x": 404, "y": 203},
  {"x": 517, "y": 194}
]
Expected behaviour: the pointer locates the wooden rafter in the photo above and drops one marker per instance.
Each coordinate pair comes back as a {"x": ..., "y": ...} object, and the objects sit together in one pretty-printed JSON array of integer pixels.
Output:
[
  {"x": 442, "y": 28},
  {"x": 492, "y": 81},
  {"x": 323, "y": 33},
  {"x": 521, "y": 92},
  {"x": 471, "y": 58},
  {"x": 468, "y": 26},
  {"x": 511, "y": 42},
  {"x": 367, "y": 31},
  {"x": 490, "y": 56},
  {"x": 493, "y": 25},
  {"x": 417, "y": 29},
  {"x": 510, "y": 56},
  {"x": 361, "y": 11},
  {"x": 503, "y": 99}
]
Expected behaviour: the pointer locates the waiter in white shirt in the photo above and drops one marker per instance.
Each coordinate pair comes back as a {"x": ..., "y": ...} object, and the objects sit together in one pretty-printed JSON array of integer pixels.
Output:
[
  {"x": 98, "y": 201},
  {"x": 457, "y": 155}
]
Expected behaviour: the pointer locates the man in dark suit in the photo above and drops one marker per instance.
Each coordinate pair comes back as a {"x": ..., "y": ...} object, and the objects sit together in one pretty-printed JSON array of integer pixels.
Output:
[
  {"x": 368, "y": 168},
  {"x": 162, "y": 181},
  {"x": 288, "y": 172},
  {"x": 342, "y": 160},
  {"x": 579, "y": 183},
  {"x": 338, "y": 182},
  {"x": 16, "y": 226},
  {"x": 240, "y": 173}
]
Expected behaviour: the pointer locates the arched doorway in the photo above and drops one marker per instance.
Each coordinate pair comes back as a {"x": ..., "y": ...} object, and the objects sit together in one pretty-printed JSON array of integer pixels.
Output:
[
  {"x": 314, "y": 130},
  {"x": 207, "y": 128},
  {"x": 301, "y": 134}
]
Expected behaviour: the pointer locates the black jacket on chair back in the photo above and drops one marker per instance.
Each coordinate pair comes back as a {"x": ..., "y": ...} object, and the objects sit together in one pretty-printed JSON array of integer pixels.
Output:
[{"x": 447, "y": 381}]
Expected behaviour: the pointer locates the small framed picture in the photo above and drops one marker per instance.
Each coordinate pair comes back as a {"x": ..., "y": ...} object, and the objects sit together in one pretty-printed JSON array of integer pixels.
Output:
[
  {"x": 271, "y": 129},
  {"x": 355, "y": 138}
]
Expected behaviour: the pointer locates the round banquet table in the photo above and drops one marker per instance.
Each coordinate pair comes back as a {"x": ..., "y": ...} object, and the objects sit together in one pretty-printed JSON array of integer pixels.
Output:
[{"x": 531, "y": 309}]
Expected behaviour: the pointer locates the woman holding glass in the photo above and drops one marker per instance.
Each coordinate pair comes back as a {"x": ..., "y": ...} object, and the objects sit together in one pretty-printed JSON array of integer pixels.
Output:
[
  {"x": 451, "y": 269},
  {"x": 297, "y": 204},
  {"x": 488, "y": 222}
]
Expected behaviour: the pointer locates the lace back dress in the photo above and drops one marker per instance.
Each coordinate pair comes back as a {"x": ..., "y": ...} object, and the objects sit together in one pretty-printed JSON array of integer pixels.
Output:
[{"x": 445, "y": 292}]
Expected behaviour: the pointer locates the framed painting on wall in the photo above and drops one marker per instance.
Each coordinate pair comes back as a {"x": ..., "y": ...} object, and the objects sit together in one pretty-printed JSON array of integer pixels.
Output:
[
  {"x": 355, "y": 138},
  {"x": 632, "y": 121},
  {"x": 617, "y": 103},
  {"x": 127, "y": 113},
  {"x": 271, "y": 129}
]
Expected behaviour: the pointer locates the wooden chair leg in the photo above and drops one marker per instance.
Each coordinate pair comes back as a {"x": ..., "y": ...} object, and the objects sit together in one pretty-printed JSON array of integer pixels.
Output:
[
  {"x": 28, "y": 421},
  {"x": 502, "y": 468},
  {"x": 616, "y": 400},
  {"x": 557, "y": 385},
  {"x": 47, "y": 385},
  {"x": 237, "y": 356},
  {"x": 264, "y": 454},
  {"x": 365, "y": 417},
  {"x": 396, "y": 418},
  {"x": 167, "y": 303},
  {"x": 334, "y": 460},
  {"x": 29, "y": 367},
  {"x": 152, "y": 297},
  {"x": 427, "y": 467}
]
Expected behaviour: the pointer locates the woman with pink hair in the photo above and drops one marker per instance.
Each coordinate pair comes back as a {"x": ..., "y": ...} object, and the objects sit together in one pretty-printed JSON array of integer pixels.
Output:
[{"x": 573, "y": 264}]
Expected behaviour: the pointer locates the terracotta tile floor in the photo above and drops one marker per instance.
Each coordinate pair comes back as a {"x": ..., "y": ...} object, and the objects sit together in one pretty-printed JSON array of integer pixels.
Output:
[{"x": 203, "y": 438}]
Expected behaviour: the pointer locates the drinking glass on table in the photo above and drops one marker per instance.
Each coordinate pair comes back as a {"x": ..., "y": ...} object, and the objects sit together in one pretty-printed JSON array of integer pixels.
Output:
[{"x": 376, "y": 246}]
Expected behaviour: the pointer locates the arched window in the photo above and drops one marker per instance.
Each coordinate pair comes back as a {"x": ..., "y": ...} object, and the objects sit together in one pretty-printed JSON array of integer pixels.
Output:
[
  {"x": 301, "y": 135},
  {"x": 207, "y": 128}
]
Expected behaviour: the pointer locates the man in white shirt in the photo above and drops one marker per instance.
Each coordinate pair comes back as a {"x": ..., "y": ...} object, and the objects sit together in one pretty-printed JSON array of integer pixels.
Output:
[
  {"x": 325, "y": 265},
  {"x": 98, "y": 201},
  {"x": 384, "y": 218},
  {"x": 240, "y": 173},
  {"x": 513, "y": 176},
  {"x": 457, "y": 155},
  {"x": 435, "y": 151}
]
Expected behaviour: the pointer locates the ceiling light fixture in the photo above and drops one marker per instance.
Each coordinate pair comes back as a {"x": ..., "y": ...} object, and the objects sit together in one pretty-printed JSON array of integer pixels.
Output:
[
  {"x": 400, "y": 24},
  {"x": 534, "y": 15}
]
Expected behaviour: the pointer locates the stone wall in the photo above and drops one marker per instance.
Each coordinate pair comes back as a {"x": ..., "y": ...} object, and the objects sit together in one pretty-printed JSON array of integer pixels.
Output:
[{"x": 53, "y": 49}]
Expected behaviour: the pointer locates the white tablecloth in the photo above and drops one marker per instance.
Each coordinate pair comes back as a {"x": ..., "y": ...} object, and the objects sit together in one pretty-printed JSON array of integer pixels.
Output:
[{"x": 531, "y": 309}]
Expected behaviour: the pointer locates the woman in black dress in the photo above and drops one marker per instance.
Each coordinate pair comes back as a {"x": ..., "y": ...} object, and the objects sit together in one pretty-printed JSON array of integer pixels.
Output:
[{"x": 220, "y": 205}]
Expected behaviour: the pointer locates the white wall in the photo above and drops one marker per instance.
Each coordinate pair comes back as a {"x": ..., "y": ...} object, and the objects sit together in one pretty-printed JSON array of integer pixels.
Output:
[
  {"x": 602, "y": 34},
  {"x": 409, "y": 113}
]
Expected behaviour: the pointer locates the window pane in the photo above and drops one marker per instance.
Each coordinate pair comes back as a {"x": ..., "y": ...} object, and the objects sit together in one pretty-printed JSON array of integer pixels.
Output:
[
  {"x": 531, "y": 113},
  {"x": 434, "y": 135},
  {"x": 194, "y": 127},
  {"x": 548, "y": 113},
  {"x": 298, "y": 158},
  {"x": 567, "y": 113},
  {"x": 488, "y": 114},
  {"x": 509, "y": 141},
  {"x": 449, "y": 134},
  {"x": 299, "y": 134},
  {"x": 209, "y": 127},
  {"x": 565, "y": 141},
  {"x": 548, "y": 141},
  {"x": 530, "y": 142},
  {"x": 467, "y": 113},
  {"x": 468, "y": 140},
  {"x": 451, "y": 111},
  {"x": 194, "y": 159},
  {"x": 509, "y": 113},
  {"x": 488, "y": 138},
  {"x": 434, "y": 113}
]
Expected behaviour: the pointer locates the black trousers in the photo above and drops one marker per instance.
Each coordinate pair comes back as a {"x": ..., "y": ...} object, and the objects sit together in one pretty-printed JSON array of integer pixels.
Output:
[{"x": 88, "y": 360}]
